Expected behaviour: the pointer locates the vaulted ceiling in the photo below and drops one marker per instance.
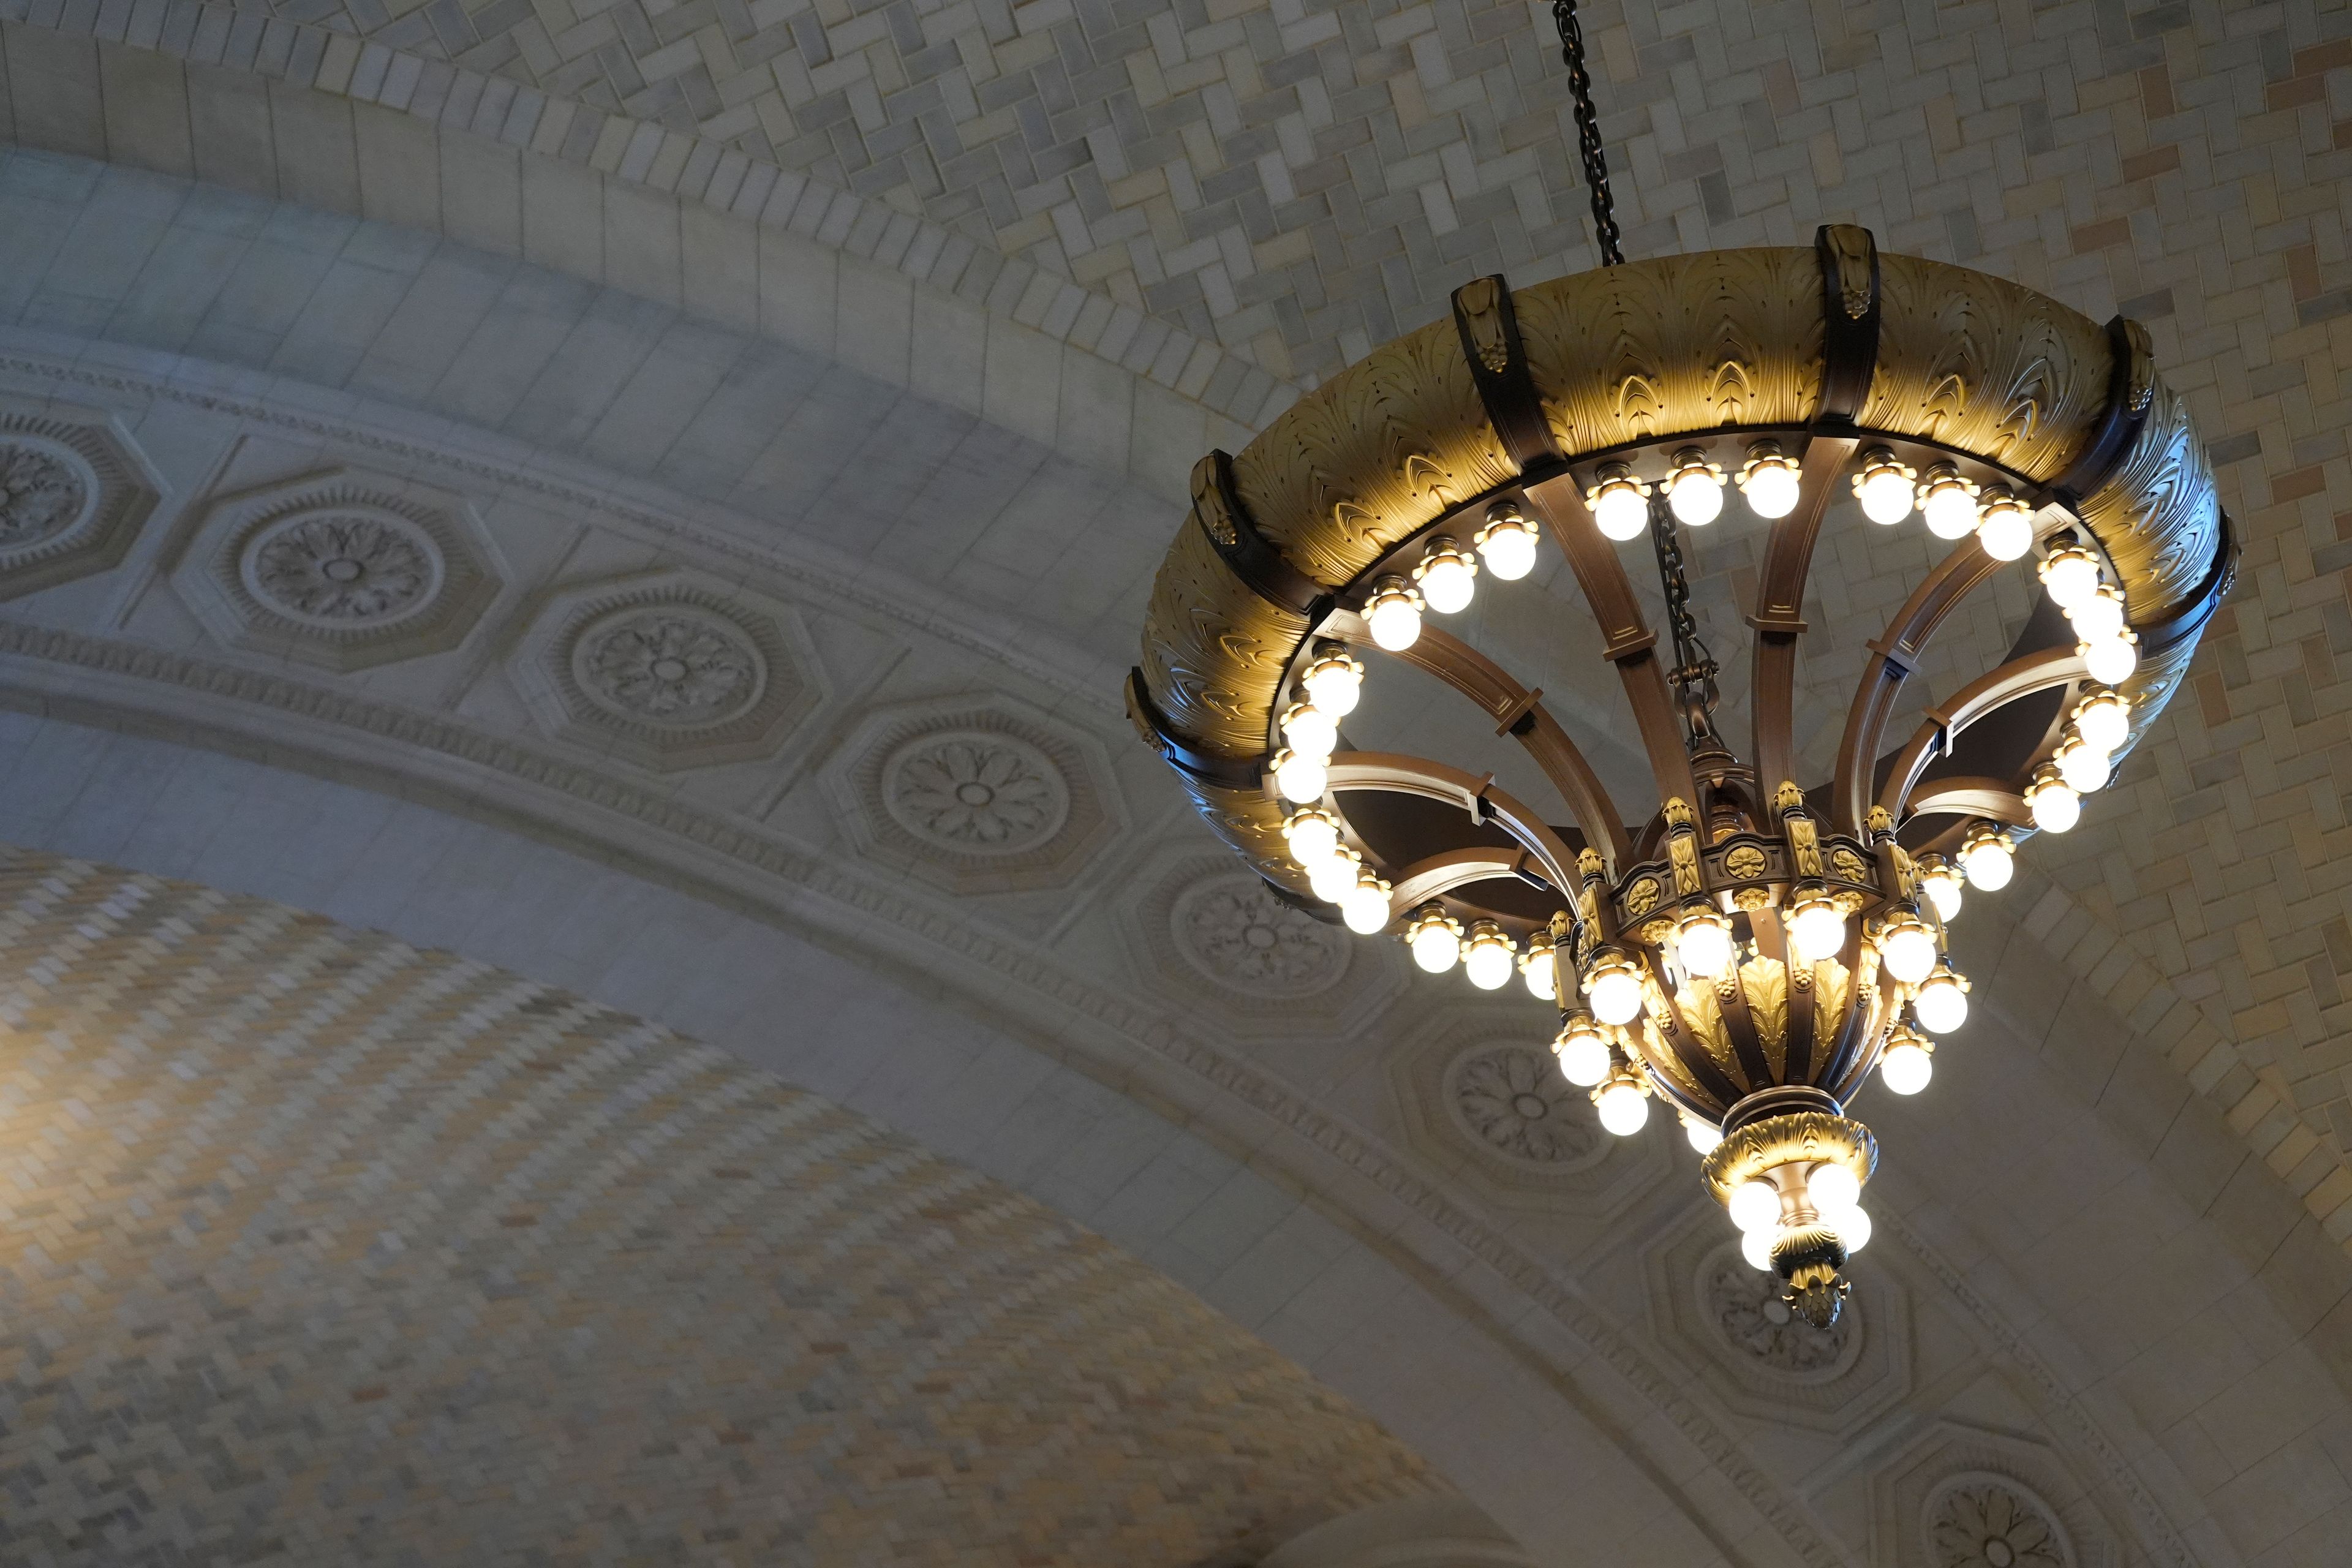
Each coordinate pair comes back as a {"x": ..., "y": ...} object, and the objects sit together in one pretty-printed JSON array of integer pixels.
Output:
[{"x": 854, "y": 359}]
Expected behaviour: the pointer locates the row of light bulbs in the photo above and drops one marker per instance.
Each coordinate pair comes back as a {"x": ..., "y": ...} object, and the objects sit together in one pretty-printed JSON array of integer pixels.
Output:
[{"x": 1829, "y": 1190}]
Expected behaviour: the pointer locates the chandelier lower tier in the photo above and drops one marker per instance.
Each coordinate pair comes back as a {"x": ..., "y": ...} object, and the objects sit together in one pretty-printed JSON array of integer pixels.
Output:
[{"x": 1752, "y": 946}]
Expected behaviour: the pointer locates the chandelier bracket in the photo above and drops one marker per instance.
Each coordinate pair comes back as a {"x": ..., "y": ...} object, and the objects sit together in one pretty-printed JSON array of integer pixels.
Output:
[
  {"x": 1850, "y": 288},
  {"x": 1491, "y": 346},
  {"x": 1181, "y": 753},
  {"x": 1262, "y": 569}
]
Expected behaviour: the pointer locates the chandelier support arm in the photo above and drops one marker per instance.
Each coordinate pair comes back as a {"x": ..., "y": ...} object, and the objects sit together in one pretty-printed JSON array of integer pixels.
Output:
[
  {"x": 1893, "y": 656},
  {"x": 1938, "y": 733},
  {"x": 1780, "y": 605},
  {"x": 1437, "y": 874},
  {"x": 1475, "y": 795},
  {"x": 1627, "y": 640},
  {"x": 1523, "y": 717}
]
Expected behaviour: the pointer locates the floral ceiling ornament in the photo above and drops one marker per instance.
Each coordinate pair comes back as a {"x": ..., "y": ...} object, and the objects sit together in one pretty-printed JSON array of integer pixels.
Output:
[
  {"x": 1238, "y": 934},
  {"x": 1514, "y": 1100},
  {"x": 74, "y": 494},
  {"x": 668, "y": 670},
  {"x": 1988, "y": 1521},
  {"x": 1748, "y": 1311},
  {"x": 979, "y": 794},
  {"x": 341, "y": 568},
  {"x": 976, "y": 791},
  {"x": 1756, "y": 943}
]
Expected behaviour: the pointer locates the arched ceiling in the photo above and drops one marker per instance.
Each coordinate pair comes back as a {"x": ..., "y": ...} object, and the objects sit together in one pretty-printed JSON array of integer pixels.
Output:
[{"x": 921, "y": 461}]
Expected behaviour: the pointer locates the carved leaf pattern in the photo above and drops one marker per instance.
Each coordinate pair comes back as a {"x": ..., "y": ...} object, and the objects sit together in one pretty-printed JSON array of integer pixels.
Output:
[
  {"x": 1765, "y": 983},
  {"x": 1993, "y": 1526},
  {"x": 2159, "y": 518}
]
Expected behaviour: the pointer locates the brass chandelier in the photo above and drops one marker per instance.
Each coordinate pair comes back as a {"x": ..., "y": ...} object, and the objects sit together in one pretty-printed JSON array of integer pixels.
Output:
[{"x": 1756, "y": 946}]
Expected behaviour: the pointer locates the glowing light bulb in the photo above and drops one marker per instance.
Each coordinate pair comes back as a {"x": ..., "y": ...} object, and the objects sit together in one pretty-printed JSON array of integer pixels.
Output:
[
  {"x": 1435, "y": 938},
  {"x": 2006, "y": 527},
  {"x": 1703, "y": 1136},
  {"x": 2084, "y": 766},
  {"x": 2111, "y": 660},
  {"x": 1583, "y": 1050},
  {"x": 1392, "y": 613},
  {"x": 1756, "y": 1206},
  {"x": 1835, "y": 1189},
  {"x": 1507, "y": 542},
  {"x": 1768, "y": 481},
  {"x": 1694, "y": 491},
  {"x": 1334, "y": 877},
  {"x": 1908, "y": 947},
  {"x": 1620, "y": 502},
  {"x": 1909, "y": 1062},
  {"x": 1817, "y": 926},
  {"x": 1447, "y": 578},
  {"x": 1854, "y": 1229},
  {"x": 1489, "y": 958},
  {"x": 1310, "y": 731},
  {"x": 2055, "y": 805},
  {"x": 1301, "y": 779},
  {"x": 1335, "y": 682},
  {"x": 2097, "y": 615},
  {"x": 1989, "y": 859},
  {"x": 1365, "y": 906},
  {"x": 1312, "y": 833},
  {"x": 2069, "y": 574},
  {"x": 1756, "y": 1246},
  {"x": 1947, "y": 503},
  {"x": 1623, "y": 1108},
  {"x": 1884, "y": 487},
  {"x": 2103, "y": 719},
  {"x": 1704, "y": 941},
  {"x": 1538, "y": 969},
  {"x": 1942, "y": 882},
  {"x": 1942, "y": 1003},
  {"x": 1614, "y": 989}
]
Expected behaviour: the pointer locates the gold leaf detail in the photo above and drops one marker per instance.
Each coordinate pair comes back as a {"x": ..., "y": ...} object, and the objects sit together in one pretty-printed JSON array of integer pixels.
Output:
[
  {"x": 1849, "y": 865},
  {"x": 1746, "y": 862},
  {"x": 1850, "y": 251},
  {"x": 1642, "y": 896},
  {"x": 1480, "y": 302}
]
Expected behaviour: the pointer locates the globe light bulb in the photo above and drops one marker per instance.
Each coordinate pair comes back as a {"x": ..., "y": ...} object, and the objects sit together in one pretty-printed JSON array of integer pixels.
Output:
[
  {"x": 1908, "y": 1064},
  {"x": 1942, "y": 1003},
  {"x": 2103, "y": 719},
  {"x": 2005, "y": 530},
  {"x": 2097, "y": 615},
  {"x": 1334, "y": 876},
  {"x": 1623, "y": 1108},
  {"x": 1312, "y": 834},
  {"x": 1989, "y": 859},
  {"x": 1365, "y": 906},
  {"x": 1769, "y": 481},
  {"x": 1489, "y": 958},
  {"x": 2069, "y": 574},
  {"x": 1583, "y": 1050},
  {"x": 1310, "y": 731},
  {"x": 1703, "y": 1136},
  {"x": 1435, "y": 939},
  {"x": 2111, "y": 660},
  {"x": 1947, "y": 503},
  {"x": 1447, "y": 578},
  {"x": 1884, "y": 487},
  {"x": 1301, "y": 779},
  {"x": 1614, "y": 989},
  {"x": 1704, "y": 941},
  {"x": 1908, "y": 947},
  {"x": 1835, "y": 1189},
  {"x": 1817, "y": 926},
  {"x": 1854, "y": 1229},
  {"x": 1620, "y": 502},
  {"x": 2084, "y": 766},
  {"x": 1507, "y": 542},
  {"x": 1756, "y": 1246},
  {"x": 2055, "y": 805},
  {"x": 1392, "y": 613},
  {"x": 1335, "y": 682},
  {"x": 1695, "y": 492},
  {"x": 1538, "y": 969},
  {"x": 1942, "y": 882},
  {"x": 1756, "y": 1206}
]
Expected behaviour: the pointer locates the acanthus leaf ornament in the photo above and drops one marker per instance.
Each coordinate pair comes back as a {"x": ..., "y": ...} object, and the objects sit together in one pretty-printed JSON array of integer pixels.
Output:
[{"x": 1740, "y": 942}]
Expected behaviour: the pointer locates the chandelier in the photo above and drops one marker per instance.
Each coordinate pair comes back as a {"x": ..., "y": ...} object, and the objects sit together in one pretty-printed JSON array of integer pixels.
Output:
[{"x": 1754, "y": 945}]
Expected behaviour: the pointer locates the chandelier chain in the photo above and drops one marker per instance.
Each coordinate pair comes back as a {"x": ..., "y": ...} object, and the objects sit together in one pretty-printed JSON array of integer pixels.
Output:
[
  {"x": 1695, "y": 669},
  {"x": 1588, "y": 133}
]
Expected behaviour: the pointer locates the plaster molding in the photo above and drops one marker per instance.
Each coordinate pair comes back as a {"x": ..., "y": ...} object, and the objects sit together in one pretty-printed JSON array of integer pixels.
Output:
[
  {"x": 1959, "y": 1496},
  {"x": 74, "y": 493}
]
